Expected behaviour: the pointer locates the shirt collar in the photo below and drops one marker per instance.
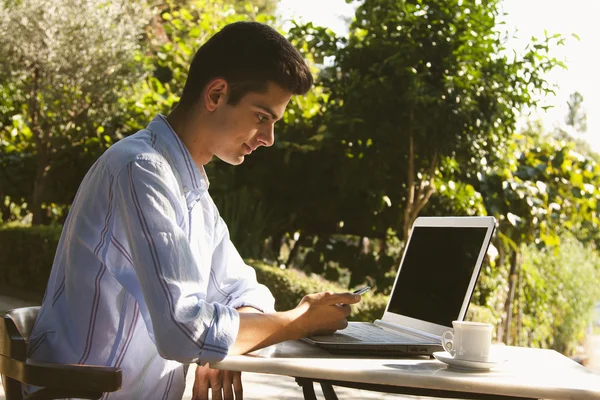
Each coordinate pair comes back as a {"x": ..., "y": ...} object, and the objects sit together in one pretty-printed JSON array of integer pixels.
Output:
[{"x": 193, "y": 178}]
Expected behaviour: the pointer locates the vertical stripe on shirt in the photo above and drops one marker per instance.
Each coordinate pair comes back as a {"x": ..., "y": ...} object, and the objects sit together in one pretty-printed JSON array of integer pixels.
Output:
[
  {"x": 60, "y": 291},
  {"x": 93, "y": 314},
  {"x": 136, "y": 313},
  {"x": 154, "y": 253},
  {"x": 169, "y": 383},
  {"x": 101, "y": 271}
]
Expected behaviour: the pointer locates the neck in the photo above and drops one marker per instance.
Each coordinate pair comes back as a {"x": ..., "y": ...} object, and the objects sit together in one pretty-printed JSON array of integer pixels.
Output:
[{"x": 192, "y": 132}]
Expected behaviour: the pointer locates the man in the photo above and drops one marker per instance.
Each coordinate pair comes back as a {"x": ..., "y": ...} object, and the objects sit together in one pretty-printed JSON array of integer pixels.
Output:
[{"x": 145, "y": 276}]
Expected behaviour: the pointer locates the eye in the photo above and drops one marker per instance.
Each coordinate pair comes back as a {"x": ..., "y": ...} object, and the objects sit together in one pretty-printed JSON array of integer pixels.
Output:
[{"x": 262, "y": 118}]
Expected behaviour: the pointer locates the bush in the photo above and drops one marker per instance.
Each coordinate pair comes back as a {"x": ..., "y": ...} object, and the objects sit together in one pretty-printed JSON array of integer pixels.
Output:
[
  {"x": 28, "y": 252},
  {"x": 26, "y": 256},
  {"x": 289, "y": 286},
  {"x": 558, "y": 291}
]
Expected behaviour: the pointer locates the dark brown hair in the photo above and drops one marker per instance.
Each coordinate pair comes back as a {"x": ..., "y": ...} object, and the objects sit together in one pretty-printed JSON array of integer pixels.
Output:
[{"x": 247, "y": 55}]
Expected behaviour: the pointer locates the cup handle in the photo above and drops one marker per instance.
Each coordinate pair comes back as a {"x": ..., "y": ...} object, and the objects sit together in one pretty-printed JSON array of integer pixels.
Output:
[{"x": 448, "y": 342}]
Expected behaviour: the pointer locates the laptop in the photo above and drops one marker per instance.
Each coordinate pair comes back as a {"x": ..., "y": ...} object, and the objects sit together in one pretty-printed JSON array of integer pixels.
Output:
[{"x": 433, "y": 287}]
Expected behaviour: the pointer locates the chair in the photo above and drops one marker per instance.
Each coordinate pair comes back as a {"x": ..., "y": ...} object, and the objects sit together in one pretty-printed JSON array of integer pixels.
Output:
[{"x": 57, "y": 381}]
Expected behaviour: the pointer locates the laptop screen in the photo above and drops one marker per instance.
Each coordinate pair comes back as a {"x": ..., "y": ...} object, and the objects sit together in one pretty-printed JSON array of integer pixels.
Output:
[{"x": 436, "y": 272}]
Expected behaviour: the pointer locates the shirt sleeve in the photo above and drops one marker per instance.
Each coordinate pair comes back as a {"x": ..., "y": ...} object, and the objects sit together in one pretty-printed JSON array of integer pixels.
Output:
[
  {"x": 234, "y": 279},
  {"x": 185, "y": 326}
]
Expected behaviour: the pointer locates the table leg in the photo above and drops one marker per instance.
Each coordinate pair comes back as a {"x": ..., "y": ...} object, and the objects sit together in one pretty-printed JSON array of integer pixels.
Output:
[
  {"x": 308, "y": 389},
  {"x": 328, "y": 391}
]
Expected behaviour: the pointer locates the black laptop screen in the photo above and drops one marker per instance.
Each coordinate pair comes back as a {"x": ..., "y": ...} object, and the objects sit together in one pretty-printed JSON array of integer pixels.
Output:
[{"x": 436, "y": 273}]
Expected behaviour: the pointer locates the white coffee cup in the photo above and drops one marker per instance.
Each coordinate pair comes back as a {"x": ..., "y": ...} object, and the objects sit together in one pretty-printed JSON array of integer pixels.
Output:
[{"x": 469, "y": 341}]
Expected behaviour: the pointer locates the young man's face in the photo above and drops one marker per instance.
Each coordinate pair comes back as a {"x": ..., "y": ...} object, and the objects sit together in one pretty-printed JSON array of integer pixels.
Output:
[{"x": 242, "y": 128}]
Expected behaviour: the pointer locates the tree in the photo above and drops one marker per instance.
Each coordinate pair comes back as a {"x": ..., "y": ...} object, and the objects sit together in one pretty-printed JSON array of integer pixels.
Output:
[
  {"x": 66, "y": 63},
  {"x": 576, "y": 120},
  {"x": 418, "y": 85},
  {"x": 177, "y": 30},
  {"x": 543, "y": 190},
  {"x": 576, "y": 116}
]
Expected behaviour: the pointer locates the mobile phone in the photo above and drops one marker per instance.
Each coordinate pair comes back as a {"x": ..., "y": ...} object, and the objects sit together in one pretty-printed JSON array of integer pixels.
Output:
[{"x": 362, "y": 290}]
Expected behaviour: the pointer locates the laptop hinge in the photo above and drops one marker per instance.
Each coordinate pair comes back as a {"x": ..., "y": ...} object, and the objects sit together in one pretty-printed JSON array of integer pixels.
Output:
[{"x": 396, "y": 328}]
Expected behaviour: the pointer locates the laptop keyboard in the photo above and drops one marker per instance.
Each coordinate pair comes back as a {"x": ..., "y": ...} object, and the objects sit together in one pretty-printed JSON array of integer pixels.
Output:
[{"x": 371, "y": 333}]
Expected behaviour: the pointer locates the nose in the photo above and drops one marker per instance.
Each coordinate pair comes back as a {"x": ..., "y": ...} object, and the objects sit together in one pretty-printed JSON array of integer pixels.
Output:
[{"x": 267, "y": 137}]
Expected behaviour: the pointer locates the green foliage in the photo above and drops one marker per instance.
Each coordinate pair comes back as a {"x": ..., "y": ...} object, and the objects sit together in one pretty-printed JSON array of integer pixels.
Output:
[
  {"x": 27, "y": 255},
  {"x": 414, "y": 112},
  {"x": 558, "y": 291},
  {"x": 414, "y": 101},
  {"x": 64, "y": 76},
  {"x": 27, "y": 265},
  {"x": 576, "y": 117},
  {"x": 478, "y": 313},
  {"x": 250, "y": 223},
  {"x": 544, "y": 188},
  {"x": 175, "y": 35},
  {"x": 290, "y": 285},
  {"x": 416, "y": 83}
]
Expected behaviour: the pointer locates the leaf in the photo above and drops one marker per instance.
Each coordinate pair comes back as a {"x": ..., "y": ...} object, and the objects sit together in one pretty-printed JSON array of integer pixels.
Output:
[
  {"x": 185, "y": 14},
  {"x": 195, "y": 32}
]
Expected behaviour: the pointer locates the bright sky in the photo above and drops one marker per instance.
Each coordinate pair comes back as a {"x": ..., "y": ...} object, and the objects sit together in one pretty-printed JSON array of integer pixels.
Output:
[{"x": 528, "y": 18}]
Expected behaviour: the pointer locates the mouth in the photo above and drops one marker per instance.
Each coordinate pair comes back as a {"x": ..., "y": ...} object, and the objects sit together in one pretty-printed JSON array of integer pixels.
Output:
[{"x": 247, "y": 149}]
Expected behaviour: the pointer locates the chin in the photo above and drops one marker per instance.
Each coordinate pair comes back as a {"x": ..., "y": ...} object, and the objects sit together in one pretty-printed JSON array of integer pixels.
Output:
[{"x": 232, "y": 160}]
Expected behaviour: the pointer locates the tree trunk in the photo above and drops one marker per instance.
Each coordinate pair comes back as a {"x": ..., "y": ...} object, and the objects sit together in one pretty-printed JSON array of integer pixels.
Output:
[
  {"x": 293, "y": 251},
  {"x": 512, "y": 284},
  {"x": 383, "y": 245},
  {"x": 501, "y": 257},
  {"x": 42, "y": 147},
  {"x": 39, "y": 185},
  {"x": 410, "y": 186},
  {"x": 519, "y": 304},
  {"x": 276, "y": 243},
  {"x": 417, "y": 197}
]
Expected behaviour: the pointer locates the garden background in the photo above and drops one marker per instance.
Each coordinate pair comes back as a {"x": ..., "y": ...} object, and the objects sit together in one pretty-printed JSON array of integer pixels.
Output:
[{"x": 414, "y": 112}]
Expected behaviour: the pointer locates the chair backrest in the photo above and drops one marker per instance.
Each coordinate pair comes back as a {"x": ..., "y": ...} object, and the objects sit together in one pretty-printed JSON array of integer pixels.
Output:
[
  {"x": 15, "y": 329},
  {"x": 56, "y": 380}
]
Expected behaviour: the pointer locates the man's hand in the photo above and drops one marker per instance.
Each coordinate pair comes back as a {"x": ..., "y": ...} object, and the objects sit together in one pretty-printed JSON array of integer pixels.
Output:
[
  {"x": 223, "y": 384},
  {"x": 323, "y": 313},
  {"x": 316, "y": 314}
]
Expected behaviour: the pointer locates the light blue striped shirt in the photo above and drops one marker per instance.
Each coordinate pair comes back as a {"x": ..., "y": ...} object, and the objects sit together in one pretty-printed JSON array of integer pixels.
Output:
[{"x": 145, "y": 276}]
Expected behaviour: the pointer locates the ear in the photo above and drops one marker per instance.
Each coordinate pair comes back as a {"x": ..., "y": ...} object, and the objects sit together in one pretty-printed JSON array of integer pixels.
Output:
[{"x": 215, "y": 93}]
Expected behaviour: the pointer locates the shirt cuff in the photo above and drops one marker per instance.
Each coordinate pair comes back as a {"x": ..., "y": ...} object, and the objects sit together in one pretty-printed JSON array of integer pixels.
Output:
[
  {"x": 221, "y": 335},
  {"x": 259, "y": 298}
]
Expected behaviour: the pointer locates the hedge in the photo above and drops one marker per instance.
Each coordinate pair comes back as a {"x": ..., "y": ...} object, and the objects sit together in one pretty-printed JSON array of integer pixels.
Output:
[
  {"x": 290, "y": 285},
  {"x": 26, "y": 256},
  {"x": 27, "y": 253}
]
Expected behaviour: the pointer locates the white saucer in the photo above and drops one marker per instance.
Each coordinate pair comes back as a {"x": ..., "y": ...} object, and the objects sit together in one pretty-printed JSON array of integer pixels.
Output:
[{"x": 446, "y": 358}]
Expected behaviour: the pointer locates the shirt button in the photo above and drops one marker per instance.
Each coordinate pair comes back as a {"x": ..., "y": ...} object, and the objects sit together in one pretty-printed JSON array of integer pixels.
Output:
[{"x": 185, "y": 188}]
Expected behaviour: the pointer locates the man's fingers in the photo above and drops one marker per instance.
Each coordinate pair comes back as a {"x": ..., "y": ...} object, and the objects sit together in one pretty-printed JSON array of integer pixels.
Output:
[
  {"x": 342, "y": 298},
  {"x": 201, "y": 385},
  {"x": 228, "y": 385},
  {"x": 346, "y": 308},
  {"x": 237, "y": 385},
  {"x": 216, "y": 394},
  {"x": 215, "y": 378}
]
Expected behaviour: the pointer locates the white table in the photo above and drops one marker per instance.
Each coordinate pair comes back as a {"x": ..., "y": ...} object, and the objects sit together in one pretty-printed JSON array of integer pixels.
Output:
[{"x": 527, "y": 373}]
